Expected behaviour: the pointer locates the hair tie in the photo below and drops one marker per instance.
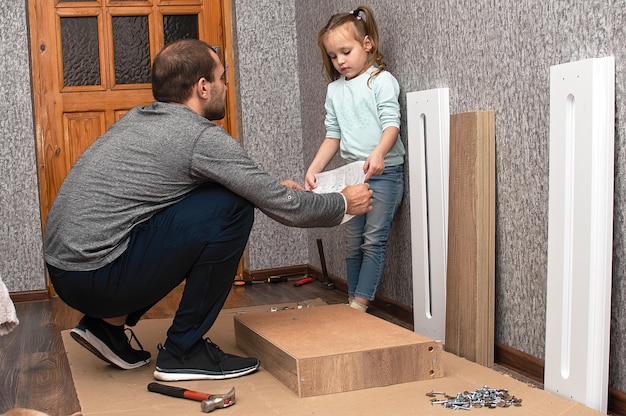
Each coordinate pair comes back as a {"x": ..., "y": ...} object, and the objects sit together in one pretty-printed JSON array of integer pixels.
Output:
[{"x": 355, "y": 13}]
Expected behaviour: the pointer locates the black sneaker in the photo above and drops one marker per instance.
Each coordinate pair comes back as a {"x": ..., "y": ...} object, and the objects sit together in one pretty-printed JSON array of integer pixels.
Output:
[
  {"x": 206, "y": 361},
  {"x": 110, "y": 343}
]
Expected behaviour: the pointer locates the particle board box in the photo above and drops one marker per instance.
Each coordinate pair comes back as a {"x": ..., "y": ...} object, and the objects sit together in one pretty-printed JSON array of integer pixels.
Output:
[{"x": 334, "y": 348}]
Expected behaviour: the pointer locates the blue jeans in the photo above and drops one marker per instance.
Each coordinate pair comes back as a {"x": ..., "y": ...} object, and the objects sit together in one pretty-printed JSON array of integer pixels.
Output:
[
  {"x": 367, "y": 234},
  {"x": 200, "y": 239}
]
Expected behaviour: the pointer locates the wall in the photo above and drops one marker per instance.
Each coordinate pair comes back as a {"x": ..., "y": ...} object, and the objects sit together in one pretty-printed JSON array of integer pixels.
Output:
[
  {"x": 21, "y": 258},
  {"x": 269, "y": 117}
]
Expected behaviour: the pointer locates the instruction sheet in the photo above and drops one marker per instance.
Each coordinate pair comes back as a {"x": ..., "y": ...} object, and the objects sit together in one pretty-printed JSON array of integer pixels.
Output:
[{"x": 336, "y": 179}]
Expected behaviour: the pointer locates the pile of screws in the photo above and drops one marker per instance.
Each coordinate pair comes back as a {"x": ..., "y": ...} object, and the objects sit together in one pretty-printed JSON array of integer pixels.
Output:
[{"x": 482, "y": 397}]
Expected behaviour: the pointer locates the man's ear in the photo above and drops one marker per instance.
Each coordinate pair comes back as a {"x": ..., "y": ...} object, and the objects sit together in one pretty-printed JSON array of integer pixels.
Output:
[{"x": 202, "y": 87}]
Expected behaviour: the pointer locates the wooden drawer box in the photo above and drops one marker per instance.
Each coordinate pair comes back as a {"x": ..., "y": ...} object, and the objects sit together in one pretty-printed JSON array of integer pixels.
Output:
[{"x": 334, "y": 348}]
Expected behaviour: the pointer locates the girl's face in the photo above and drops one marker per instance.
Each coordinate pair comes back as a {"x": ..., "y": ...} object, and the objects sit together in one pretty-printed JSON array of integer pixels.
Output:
[{"x": 348, "y": 55}]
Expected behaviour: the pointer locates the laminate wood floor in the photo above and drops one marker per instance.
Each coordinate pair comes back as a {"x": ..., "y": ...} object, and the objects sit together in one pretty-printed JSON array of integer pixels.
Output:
[{"x": 34, "y": 371}]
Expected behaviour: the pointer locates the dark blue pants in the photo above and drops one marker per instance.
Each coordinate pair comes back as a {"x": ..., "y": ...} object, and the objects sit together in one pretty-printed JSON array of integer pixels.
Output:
[{"x": 199, "y": 239}]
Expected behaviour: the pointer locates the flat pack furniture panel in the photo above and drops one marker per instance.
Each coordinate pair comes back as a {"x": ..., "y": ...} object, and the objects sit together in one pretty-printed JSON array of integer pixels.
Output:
[
  {"x": 471, "y": 238},
  {"x": 580, "y": 230},
  {"x": 335, "y": 348},
  {"x": 428, "y": 125}
]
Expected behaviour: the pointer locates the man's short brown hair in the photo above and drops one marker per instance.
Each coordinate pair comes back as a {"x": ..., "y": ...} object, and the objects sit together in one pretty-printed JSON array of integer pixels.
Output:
[{"x": 178, "y": 67}]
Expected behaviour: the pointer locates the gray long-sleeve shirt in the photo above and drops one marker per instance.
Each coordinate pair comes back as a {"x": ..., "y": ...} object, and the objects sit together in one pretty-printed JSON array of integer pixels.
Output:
[{"x": 152, "y": 158}]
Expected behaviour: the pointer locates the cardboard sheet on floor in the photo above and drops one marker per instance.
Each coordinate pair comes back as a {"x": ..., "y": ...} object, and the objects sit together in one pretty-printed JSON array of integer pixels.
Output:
[{"x": 105, "y": 391}]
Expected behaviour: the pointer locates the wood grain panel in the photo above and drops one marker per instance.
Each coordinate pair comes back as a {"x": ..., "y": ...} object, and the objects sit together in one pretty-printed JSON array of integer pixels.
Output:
[
  {"x": 278, "y": 362},
  {"x": 80, "y": 130},
  {"x": 119, "y": 114},
  {"x": 471, "y": 238},
  {"x": 331, "y": 349}
]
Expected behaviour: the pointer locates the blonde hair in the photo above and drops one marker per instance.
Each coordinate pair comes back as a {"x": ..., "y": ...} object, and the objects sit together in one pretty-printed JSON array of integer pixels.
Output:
[{"x": 362, "y": 22}]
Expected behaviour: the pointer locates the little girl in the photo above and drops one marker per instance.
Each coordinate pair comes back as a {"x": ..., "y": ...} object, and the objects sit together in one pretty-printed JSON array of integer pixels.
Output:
[{"x": 363, "y": 121}]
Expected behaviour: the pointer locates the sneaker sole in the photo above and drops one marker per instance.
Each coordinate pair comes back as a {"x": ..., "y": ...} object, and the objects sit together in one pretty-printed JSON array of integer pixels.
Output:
[
  {"x": 183, "y": 376},
  {"x": 100, "y": 350}
]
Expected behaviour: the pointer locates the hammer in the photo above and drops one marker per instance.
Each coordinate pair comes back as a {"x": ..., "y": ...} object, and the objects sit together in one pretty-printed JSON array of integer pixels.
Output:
[{"x": 209, "y": 402}]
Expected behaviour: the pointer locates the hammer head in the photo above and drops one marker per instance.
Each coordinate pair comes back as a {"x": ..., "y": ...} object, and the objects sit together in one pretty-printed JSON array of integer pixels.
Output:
[{"x": 218, "y": 401}]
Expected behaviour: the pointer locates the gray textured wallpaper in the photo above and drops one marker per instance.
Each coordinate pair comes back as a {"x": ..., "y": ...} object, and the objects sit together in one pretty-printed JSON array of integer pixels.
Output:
[
  {"x": 270, "y": 127},
  {"x": 21, "y": 258}
]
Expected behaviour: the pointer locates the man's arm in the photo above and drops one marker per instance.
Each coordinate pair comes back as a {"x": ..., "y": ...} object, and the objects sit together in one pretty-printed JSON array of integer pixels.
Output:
[
  {"x": 358, "y": 198},
  {"x": 219, "y": 158}
]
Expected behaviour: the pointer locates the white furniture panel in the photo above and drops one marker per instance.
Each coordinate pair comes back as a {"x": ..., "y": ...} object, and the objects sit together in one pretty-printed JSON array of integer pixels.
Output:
[
  {"x": 580, "y": 230},
  {"x": 428, "y": 122}
]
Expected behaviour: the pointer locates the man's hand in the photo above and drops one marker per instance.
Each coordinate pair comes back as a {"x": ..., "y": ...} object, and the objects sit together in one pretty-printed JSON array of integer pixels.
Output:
[
  {"x": 292, "y": 184},
  {"x": 359, "y": 198}
]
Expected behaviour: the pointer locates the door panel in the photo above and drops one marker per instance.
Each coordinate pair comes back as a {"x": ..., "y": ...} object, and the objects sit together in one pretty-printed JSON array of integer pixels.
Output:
[{"x": 80, "y": 130}]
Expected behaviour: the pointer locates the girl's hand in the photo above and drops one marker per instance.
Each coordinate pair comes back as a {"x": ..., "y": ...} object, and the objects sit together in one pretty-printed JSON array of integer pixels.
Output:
[
  {"x": 374, "y": 165},
  {"x": 309, "y": 181}
]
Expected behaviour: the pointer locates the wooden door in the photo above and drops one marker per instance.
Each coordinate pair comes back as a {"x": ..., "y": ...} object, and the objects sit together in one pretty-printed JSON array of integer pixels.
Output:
[{"x": 91, "y": 63}]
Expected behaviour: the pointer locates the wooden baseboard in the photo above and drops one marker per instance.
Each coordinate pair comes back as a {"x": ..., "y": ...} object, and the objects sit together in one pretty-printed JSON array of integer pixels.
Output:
[
  {"x": 263, "y": 274},
  {"x": 617, "y": 402},
  {"x": 519, "y": 361},
  {"x": 29, "y": 296}
]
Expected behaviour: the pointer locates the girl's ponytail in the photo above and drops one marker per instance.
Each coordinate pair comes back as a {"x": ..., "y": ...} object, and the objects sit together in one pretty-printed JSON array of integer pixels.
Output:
[{"x": 365, "y": 17}]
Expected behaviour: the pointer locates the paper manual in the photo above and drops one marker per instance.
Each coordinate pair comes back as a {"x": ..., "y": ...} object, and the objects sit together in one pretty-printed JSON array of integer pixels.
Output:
[{"x": 337, "y": 179}]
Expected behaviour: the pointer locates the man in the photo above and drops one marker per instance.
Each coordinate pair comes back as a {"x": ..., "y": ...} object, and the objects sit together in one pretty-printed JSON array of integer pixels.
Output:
[{"x": 165, "y": 195}]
